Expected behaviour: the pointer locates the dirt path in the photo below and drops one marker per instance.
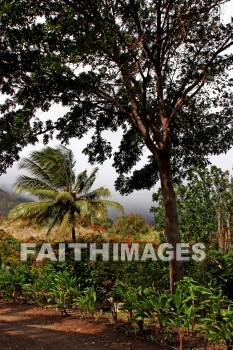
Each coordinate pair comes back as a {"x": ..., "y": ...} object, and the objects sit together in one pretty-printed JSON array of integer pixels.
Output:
[{"x": 32, "y": 328}]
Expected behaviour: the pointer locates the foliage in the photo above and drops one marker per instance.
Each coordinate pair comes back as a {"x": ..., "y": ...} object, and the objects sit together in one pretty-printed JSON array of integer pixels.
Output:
[
  {"x": 12, "y": 280},
  {"x": 140, "y": 289},
  {"x": 130, "y": 296},
  {"x": 86, "y": 302},
  {"x": 191, "y": 307},
  {"x": 130, "y": 224},
  {"x": 227, "y": 275},
  {"x": 194, "y": 306},
  {"x": 219, "y": 325},
  {"x": 204, "y": 205},
  {"x": 154, "y": 305},
  {"x": 132, "y": 76},
  {"x": 63, "y": 195},
  {"x": 147, "y": 68},
  {"x": 216, "y": 268},
  {"x": 9, "y": 248},
  {"x": 64, "y": 290}
]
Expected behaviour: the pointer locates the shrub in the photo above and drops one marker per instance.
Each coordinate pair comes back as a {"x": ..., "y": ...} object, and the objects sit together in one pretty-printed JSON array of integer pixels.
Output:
[
  {"x": 217, "y": 268},
  {"x": 130, "y": 224}
]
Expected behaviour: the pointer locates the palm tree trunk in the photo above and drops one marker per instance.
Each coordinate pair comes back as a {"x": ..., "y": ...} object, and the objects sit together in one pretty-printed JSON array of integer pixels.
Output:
[
  {"x": 73, "y": 228},
  {"x": 73, "y": 235},
  {"x": 171, "y": 216}
]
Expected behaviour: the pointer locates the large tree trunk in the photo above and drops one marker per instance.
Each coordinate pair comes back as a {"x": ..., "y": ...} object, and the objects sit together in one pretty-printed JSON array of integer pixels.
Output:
[{"x": 171, "y": 217}]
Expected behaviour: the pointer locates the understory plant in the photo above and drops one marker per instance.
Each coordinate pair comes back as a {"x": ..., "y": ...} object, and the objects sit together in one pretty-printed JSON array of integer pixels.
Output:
[
  {"x": 191, "y": 308},
  {"x": 86, "y": 301},
  {"x": 12, "y": 281}
]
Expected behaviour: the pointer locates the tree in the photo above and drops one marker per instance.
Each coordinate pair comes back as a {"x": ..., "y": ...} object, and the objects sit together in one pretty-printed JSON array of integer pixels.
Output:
[
  {"x": 204, "y": 205},
  {"x": 222, "y": 194},
  {"x": 64, "y": 196},
  {"x": 155, "y": 69}
]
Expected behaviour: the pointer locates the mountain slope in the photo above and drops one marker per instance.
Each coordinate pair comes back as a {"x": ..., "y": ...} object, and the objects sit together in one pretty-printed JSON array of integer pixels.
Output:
[{"x": 9, "y": 201}]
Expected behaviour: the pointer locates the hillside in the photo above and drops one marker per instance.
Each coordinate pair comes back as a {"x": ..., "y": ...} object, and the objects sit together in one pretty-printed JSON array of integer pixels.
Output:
[{"x": 9, "y": 201}]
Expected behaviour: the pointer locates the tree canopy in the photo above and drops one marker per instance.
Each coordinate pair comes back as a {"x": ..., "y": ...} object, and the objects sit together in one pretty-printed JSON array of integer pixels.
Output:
[{"x": 155, "y": 69}]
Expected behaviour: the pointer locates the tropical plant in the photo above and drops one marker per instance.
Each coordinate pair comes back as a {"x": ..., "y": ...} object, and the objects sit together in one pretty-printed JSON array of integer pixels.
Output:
[
  {"x": 219, "y": 327},
  {"x": 86, "y": 302},
  {"x": 12, "y": 281},
  {"x": 204, "y": 207},
  {"x": 63, "y": 291},
  {"x": 130, "y": 224},
  {"x": 35, "y": 292},
  {"x": 154, "y": 306},
  {"x": 63, "y": 195}
]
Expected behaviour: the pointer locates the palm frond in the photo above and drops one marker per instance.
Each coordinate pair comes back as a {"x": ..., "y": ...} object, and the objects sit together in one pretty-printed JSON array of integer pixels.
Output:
[
  {"x": 80, "y": 181},
  {"x": 97, "y": 194},
  {"x": 44, "y": 194},
  {"x": 57, "y": 165},
  {"x": 28, "y": 184},
  {"x": 60, "y": 165},
  {"x": 108, "y": 204},
  {"x": 82, "y": 207},
  {"x": 90, "y": 180},
  {"x": 65, "y": 224},
  {"x": 67, "y": 157},
  {"x": 57, "y": 217},
  {"x": 84, "y": 182},
  {"x": 34, "y": 166},
  {"x": 37, "y": 211}
]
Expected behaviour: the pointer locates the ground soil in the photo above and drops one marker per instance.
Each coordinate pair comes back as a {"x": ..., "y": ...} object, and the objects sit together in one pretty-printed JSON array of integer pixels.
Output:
[{"x": 24, "y": 327}]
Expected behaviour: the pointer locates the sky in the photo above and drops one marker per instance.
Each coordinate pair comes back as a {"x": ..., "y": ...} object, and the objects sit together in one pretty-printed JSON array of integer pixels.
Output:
[{"x": 138, "y": 201}]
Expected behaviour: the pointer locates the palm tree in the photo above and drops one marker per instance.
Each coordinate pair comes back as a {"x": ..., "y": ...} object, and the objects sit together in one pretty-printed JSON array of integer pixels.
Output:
[{"x": 63, "y": 195}]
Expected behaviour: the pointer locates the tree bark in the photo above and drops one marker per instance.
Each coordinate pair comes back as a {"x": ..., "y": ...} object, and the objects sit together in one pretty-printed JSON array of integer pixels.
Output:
[
  {"x": 171, "y": 217},
  {"x": 220, "y": 233},
  {"x": 228, "y": 235},
  {"x": 73, "y": 234},
  {"x": 73, "y": 227}
]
